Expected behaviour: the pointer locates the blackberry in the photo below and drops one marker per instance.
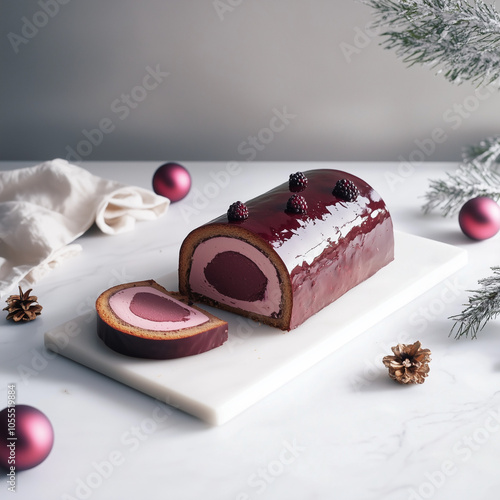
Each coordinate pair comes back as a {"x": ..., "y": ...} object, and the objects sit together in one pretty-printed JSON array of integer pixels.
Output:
[
  {"x": 237, "y": 211},
  {"x": 346, "y": 190},
  {"x": 296, "y": 204},
  {"x": 297, "y": 182}
]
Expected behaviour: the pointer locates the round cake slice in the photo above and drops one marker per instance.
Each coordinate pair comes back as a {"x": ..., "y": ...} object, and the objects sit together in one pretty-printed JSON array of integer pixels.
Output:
[
  {"x": 283, "y": 256},
  {"x": 144, "y": 320}
]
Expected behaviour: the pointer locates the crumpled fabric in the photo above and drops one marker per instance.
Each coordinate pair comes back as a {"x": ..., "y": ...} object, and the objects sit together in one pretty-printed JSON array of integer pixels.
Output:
[{"x": 44, "y": 208}]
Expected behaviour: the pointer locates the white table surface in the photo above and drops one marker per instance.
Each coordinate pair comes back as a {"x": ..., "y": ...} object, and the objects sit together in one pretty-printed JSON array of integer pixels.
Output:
[{"x": 341, "y": 430}]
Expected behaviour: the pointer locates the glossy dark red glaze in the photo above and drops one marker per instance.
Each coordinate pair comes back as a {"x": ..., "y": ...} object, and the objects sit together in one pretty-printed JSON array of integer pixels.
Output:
[
  {"x": 140, "y": 347},
  {"x": 329, "y": 250}
]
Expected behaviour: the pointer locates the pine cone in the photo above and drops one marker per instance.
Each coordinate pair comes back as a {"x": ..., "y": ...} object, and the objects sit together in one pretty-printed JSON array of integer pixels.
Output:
[
  {"x": 21, "y": 307},
  {"x": 410, "y": 363}
]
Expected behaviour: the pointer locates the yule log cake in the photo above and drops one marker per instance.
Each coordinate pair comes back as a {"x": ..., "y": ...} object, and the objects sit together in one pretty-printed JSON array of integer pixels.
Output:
[
  {"x": 144, "y": 320},
  {"x": 283, "y": 256}
]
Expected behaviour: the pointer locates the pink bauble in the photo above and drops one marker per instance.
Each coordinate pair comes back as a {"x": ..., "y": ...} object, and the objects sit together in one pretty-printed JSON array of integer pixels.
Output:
[
  {"x": 172, "y": 181},
  {"x": 479, "y": 218},
  {"x": 34, "y": 437}
]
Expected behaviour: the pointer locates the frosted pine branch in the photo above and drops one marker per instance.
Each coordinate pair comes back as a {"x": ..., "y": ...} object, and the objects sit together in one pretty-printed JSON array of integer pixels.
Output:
[
  {"x": 483, "y": 306},
  {"x": 469, "y": 181},
  {"x": 459, "y": 38},
  {"x": 486, "y": 151},
  {"x": 477, "y": 176}
]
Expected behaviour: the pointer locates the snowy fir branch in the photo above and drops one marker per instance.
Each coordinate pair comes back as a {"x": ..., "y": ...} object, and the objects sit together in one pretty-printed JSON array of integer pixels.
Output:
[
  {"x": 486, "y": 151},
  {"x": 468, "y": 181},
  {"x": 483, "y": 306},
  {"x": 461, "y": 38}
]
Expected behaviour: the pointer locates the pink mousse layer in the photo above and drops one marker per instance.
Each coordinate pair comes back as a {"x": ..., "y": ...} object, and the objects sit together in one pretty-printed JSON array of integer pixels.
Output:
[
  {"x": 206, "y": 251},
  {"x": 155, "y": 314}
]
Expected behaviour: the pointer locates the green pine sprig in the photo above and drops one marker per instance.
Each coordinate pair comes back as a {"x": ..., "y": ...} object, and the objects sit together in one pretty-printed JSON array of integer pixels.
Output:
[
  {"x": 470, "y": 180},
  {"x": 486, "y": 151},
  {"x": 460, "y": 38},
  {"x": 483, "y": 306}
]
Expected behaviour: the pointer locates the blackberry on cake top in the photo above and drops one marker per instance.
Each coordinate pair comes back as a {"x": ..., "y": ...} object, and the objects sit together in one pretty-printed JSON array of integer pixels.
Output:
[
  {"x": 237, "y": 211},
  {"x": 296, "y": 204},
  {"x": 346, "y": 190},
  {"x": 297, "y": 182}
]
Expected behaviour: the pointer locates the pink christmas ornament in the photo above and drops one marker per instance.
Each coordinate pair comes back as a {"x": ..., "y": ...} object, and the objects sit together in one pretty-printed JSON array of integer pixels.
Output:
[
  {"x": 26, "y": 437},
  {"x": 172, "y": 181},
  {"x": 479, "y": 218}
]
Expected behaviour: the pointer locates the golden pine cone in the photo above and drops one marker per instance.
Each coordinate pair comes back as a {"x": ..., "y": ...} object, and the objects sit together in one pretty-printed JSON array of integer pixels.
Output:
[
  {"x": 410, "y": 363},
  {"x": 22, "y": 307}
]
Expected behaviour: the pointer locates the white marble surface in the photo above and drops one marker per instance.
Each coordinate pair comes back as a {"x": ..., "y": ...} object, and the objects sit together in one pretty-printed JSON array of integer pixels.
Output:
[
  {"x": 261, "y": 359},
  {"x": 340, "y": 430}
]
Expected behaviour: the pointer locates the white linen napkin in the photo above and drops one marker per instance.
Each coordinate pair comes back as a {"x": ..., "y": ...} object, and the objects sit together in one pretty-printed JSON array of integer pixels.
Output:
[{"x": 45, "y": 207}]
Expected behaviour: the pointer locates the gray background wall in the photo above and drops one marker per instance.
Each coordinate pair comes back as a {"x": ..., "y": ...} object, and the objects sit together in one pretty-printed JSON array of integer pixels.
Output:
[{"x": 67, "y": 67}]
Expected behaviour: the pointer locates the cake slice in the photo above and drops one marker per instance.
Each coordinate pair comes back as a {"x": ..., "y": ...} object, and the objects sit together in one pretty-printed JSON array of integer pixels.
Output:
[
  {"x": 144, "y": 320},
  {"x": 285, "y": 255}
]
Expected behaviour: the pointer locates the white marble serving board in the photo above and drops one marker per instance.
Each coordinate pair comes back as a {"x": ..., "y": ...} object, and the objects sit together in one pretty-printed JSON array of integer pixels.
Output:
[{"x": 256, "y": 360}]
